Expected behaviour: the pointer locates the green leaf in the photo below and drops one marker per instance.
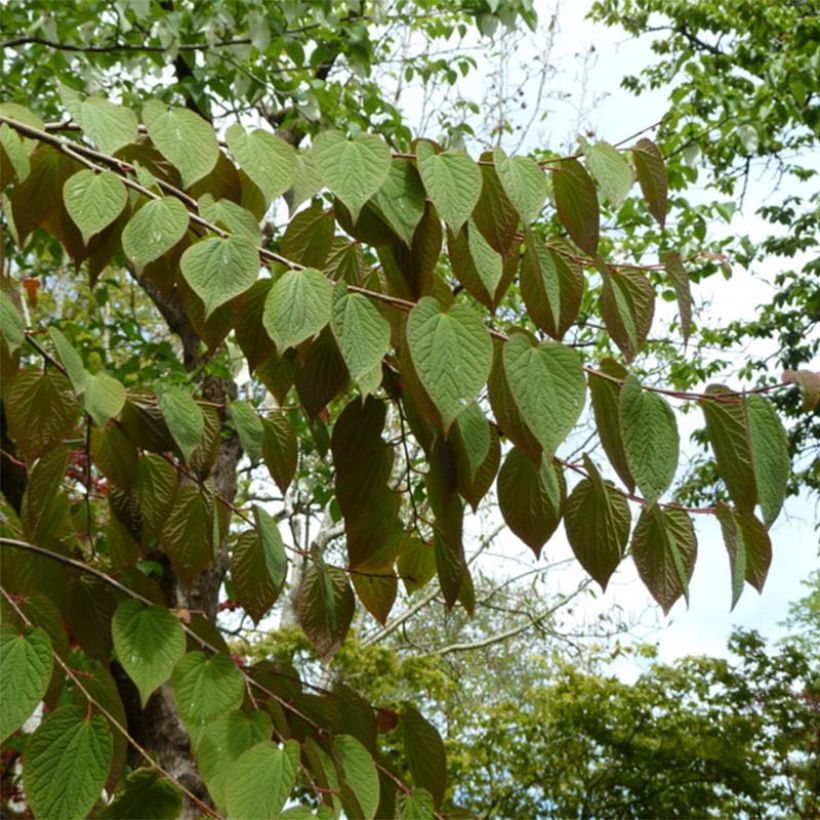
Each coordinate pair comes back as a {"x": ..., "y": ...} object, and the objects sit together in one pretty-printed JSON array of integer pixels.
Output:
[
  {"x": 472, "y": 440},
  {"x": 417, "y": 805},
  {"x": 94, "y": 200},
  {"x": 223, "y": 741},
  {"x": 416, "y": 564},
  {"x": 234, "y": 218},
  {"x": 183, "y": 138},
  {"x": 219, "y": 269},
  {"x": 552, "y": 288},
  {"x": 268, "y": 160},
  {"x": 362, "y": 333},
  {"x": 727, "y": 430},
  {"x": 651, "y": 171},
  {"x": 109, "y": 126},
  {"x": 680, "y": 282},
  {"x": 280, "y": 449},
  {"x": 66, "y": 764},
  {"x": 611, "y": 171},
  {"x": 14, "y": 149},
  {"x": 452, "y": 181},
  {"x": 400, "y": 200},
  {"x": 187, "y": 533},
  {"x": 248, "y": 428},
  {"x": 452, "y": 354},
  {"x": 156, "y": 489},
  {"x": 205, "y": 688},
  {"x": 25, "y": 670},
  {"x": 650, "y": 437},
  {"x": 12, "y": 327},
  {"x": 530, "y": 498},
  {"x": 627, "y": 305},
  {"x": 749, "y": 548},
  {"x": 577, "y": 204},
  {"x": 424, "y": 751},
  {"x": 354, "y": 169},
  {"x": 154, "y": 229},
  {"x": 664, "y": 548},
  {"x": 71, "y": 359},
  {"x": 524, "y": 182},
  {"x": 104, "y": 398},
  {"x": 149, "y": 641},
  {"x": 41, "y": 410},
  {"x": 596, "y": 519},
  {"x": 376, "y": 588},
  {"x": 184, "y": 419},
  {"x": 306, "y": 181},
  {"x": 770, "y": 455},
  {"x": 297, "y": 307},
  {"x": 260, "y": 781},
  {"x": 325, "y": 607},
  {"x": 548, "y": 386},
  {"x": 146, "y": 794},
  {"x": 258, "y": 567},
  {"x": 358, "y": 776}
]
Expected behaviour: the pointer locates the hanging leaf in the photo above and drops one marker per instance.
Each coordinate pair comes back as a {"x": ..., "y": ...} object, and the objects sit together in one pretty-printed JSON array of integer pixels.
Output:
[
  {"x": 650, "y": 437},
  {"x": 627, "y": 305},
  {"x": 156, "y": 489},
  {"x": 108, "y": 125},
  {"x": 268, "y": 160},
  {"x": 309, "y": 236},
  {"x": 280, "y": 449},
  {"x": 376, "y": 588},
  {"x": 664, "y": 548},
  {"x": 104, "y": 398},
  {"x": 154, "y": 229},
  {"x": 425, "y": 753},
  {"x": 148, "y": 641},
  {"x": 548, "y": 386},
  {"x": 184, "y": 419},
  {"x": 416, "y": 564},
  {"x": 400, "y": 200},
  {"x": 260, "y": 781},
  {"x": 358, "y": 776},
  {"x": 748, "y": 546},
  {"x": 452, "y": 181},
  {"x": 234, "y": 218},
  {"x": 325, "y": 607},
  {"x": 25, "y": 671},
  {"x": 596, "y": 518},
  {"x": 611, "y": 171},
  {"x": 71, "y": 360},
  {"x": 306, "y": 181},
  {"x": 451, "y": 353},
  {"x": 417, "y": 805},
  {"x": 577, "y": 204},
  {"x": 248, "y": 428},
  {"x": 651, "y": 171},
  {"x": 12, "y": 327},
  {"x": 353, "y": 169},
  {"x": 809, "y": 383},
  {"x": 146, "y": 794},
  {"x": 187, "y": 534},
  {"x": 298, "y": 306},
  {"x": 524, "y": 183},
  {"x": 680, "y": 282},
  {"x": 94, "y": 200},
  {"x": 770, "y": 455},
  {"x": 66, "y": 763},
  {"x": 183, "y": 138}
]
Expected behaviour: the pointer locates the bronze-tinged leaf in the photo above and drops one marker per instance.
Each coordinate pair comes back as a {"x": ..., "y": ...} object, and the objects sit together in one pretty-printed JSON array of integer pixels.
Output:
[
  {"x": 495, "y": 215},
  {"x": 321, "y": 373},
  {"x": 187, "y": 535},
  {"x": 325, "y": 607},
  {"x": 749, "y": 548},
  {"x": 308, "y": 237},
  {"x": 577, "y": 203},
  {"x": 683, "y": 292},
  {"x": 280, "y": 449},
  {"x": 809, "y": 383},
  {"x": 651, "y": 171},
  {"x": 628, "y": 306},
  {"x": 376, "y": 588}
]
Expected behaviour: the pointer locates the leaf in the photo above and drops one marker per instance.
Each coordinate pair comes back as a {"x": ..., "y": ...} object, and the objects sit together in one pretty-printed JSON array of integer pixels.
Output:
[
  {"x": 109, "y": 126},
  {"x": 184, "y": 419},
  {"x": 627, "y": 305},
  {"x": 260, "y": 781},
  {"x": 146, "y": 794},
  {"x": 71, "y": 360},
  {"x": 297, "y": 307},
  {"x": 154, "y": 229},
  {"x": 25, "y": 671},
  {"x": 651, "y": 171},
  {"x": 325, "y": 607},
  {"x": 452, "y": 354},
  {"x": 605, "y": 392},
  {"x": 187, "y": 534},
  {"x": 524, "y": 183},
  {"x": 223, "y": 741},
  {"x": 362, "y": 333},
  {"x": 416, "y": 805},
  {"x": 577, "y": 204},
  {"x": 727, "y": 430},
  {"x": 611, "y": 171},
  {"x": 416, "y": 564},
  {"x": 183, "y": 138},
  {"x": 309, "y": 236},
  {"x": 234, "y": 218},
  {"x": 156, "y": 489},
  {"x": 248, "y": 428},
  {"x": 306, "y": 181},
  {"x": 376, "y": 588},
  {"x": 680, "y": 282},
  {"x": 749, "y": 548},
  {"x": 552, "y": 288},
  {"x": 472, "y": 440},
  {"x": 204, "y": 688},
  {"x": 770, "y": 455},
  {"x": 424, "y": 751},
  {"x": 358, "y": 777},
  {"x": 280, "y": 449},
  {"x": 219, "y": 269},
  {"x": 809, "y": 383},
  {"x": 596, "y": 518},
  {"x": 353, "y": 169},
  {"x": 104, "y": 398},
  {"x": 650, "y": 436},
  {"x": 530, "y": 498},
  {"x": 452, "y": 181},
  {"x": 41, "y": 410},
  {"x": 148, "y": 641},
  {"x": 268, "y": 160},
  {"x": 43, "y": 507},
  {"x": 664, "y": 548},
  {"x": 258, "y": 566},
  {"x": 548, "y": 386},
  {"x": 66, "y": 763},
  {"x": 12, "y": 327},
  {"x": 94, "y": 200},
  {"x": 400, "y": 200}
]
